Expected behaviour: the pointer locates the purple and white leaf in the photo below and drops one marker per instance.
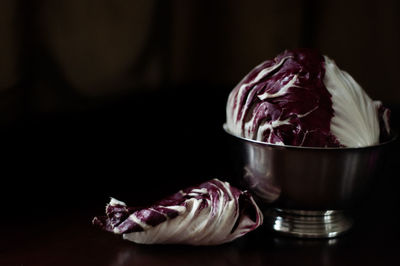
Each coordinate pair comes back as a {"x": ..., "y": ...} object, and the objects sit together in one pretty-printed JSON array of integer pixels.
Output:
[
  {"x": 302, "y": 98},
  {"x": 212, "y": 213}
]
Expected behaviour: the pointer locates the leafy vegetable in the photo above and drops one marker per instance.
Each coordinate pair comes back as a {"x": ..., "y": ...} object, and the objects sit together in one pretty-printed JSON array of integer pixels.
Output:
[
  {"x": 302, "y": 98},
  {"x": 209, "y": 214}
]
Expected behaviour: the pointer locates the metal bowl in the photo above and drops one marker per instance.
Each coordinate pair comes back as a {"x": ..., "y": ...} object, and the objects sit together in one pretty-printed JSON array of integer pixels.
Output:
[{"x": 307, "y": 190}]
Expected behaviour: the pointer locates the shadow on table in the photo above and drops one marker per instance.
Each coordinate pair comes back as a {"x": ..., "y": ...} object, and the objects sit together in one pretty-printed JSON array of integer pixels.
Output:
[{"x": 257, "y": 248}]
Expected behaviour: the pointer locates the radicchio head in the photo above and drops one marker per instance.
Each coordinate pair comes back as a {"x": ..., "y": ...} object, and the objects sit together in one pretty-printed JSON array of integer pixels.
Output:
[
  {"x": 209, "y": 214},
  {"x": 302, "y": 98}
]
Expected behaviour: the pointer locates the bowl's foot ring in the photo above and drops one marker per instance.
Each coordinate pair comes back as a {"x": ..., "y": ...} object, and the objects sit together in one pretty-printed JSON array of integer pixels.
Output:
[{"x": 309, "y": 224}]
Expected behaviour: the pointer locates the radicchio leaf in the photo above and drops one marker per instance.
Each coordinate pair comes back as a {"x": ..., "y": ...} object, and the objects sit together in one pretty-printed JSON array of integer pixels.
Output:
[
  {"x": 302, "y": 98},
  {"x": 209, "y": 214}
]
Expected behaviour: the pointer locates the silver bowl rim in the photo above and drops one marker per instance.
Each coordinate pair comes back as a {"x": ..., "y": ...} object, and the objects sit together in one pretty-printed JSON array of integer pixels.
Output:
[{"x": 393, "y": 138}]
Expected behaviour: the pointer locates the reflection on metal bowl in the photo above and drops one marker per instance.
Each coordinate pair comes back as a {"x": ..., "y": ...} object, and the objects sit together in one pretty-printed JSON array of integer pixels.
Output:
[{"x": 306, "y": 189}]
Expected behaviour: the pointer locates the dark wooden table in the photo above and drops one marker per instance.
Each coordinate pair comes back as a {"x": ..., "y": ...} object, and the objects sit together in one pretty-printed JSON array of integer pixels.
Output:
[
  {"x": 68, "y": 238},
  {"x": 60, "y": 170}
]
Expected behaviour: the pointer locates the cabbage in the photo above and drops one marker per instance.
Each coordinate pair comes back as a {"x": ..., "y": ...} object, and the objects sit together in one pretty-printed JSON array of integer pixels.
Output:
[
  {"x": 209, "y": 214},
  {"x": 302, "y": 98}
]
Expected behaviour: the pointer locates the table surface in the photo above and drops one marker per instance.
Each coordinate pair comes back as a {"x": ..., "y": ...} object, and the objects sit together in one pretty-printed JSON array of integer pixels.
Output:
[
  {"x": 70, "y": 239},
  {"x": 63, "y": 172}
]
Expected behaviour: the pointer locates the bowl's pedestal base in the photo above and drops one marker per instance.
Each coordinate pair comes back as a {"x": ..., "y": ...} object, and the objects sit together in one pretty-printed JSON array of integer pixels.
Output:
[{"x": 308, "y": 224}]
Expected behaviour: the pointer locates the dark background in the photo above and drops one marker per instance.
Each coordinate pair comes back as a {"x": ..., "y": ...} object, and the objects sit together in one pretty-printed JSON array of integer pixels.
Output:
[
  {"x": 62, "y": 56},
  {"x": 120, "y": 98}
]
